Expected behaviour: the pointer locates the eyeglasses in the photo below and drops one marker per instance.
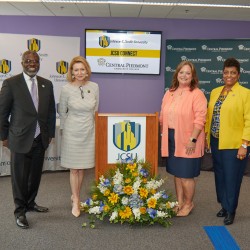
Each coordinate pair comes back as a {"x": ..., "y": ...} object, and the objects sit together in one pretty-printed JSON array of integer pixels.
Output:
[
  {"x": 28, "y": 61},
  {"x": 82, "y": 93}
]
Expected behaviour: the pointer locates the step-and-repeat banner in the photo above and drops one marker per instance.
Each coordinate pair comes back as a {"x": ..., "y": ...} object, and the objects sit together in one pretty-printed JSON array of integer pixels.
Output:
[
  {"x": 55, "y": 54},
  {"x": 208, "y": 57}
]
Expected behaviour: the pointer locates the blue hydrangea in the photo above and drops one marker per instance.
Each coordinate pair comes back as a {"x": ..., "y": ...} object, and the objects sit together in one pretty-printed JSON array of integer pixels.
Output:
[{"x": 135, "y": 201}]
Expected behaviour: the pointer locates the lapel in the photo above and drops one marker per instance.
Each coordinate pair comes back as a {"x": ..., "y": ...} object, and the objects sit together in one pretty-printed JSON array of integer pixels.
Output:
[
  {"x": 41, "y": 93},
  {"x": 25, "y": 94}
]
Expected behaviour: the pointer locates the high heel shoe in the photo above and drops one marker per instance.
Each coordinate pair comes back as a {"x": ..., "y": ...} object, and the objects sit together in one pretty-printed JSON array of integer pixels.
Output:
[
  {"x": 185, "y": 210},
  {"x": 76, "y": 209}
]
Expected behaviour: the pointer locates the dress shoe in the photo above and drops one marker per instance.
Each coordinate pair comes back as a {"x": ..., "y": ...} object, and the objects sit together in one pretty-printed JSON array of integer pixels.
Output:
[
  {"x": 229, "y": 219},
  {"x": 222, "y": 213},
  {"x": 39, "y": 209},
  {"x": 185, "y": 210},
  {"x": 22, "y": 222}
]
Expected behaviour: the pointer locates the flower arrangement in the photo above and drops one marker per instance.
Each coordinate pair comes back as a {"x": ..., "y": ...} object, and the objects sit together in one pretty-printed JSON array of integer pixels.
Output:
[{"x": 129, "y": 193}]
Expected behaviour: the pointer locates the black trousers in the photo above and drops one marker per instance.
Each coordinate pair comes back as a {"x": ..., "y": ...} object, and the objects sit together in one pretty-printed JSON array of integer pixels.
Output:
[
  {"x": 228, "y": 172},
  {"x": 26, "y": 171}
]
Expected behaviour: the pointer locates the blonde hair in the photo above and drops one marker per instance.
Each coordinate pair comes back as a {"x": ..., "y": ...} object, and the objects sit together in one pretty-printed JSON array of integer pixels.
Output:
[
  {"x": 78, "y": 59},
  {"x": 194, "y": 82}
]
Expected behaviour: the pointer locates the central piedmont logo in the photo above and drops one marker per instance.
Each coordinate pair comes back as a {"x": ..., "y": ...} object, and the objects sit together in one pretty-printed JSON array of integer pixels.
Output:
[
  {"x": 5, "y": 66},
  {"x": 34, "y": 44},
  {"x": 62, "y": 67},
  {"x": 104, "y": 41},
  {"x": 126, "y": 135}
]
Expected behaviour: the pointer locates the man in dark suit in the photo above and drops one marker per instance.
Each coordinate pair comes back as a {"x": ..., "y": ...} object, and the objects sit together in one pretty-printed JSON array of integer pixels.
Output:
[{"x": 27, "y": 125}]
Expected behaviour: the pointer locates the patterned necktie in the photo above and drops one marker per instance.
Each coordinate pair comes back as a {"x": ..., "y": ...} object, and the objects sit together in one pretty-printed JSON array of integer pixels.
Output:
[{"x": 35, "y": 101}]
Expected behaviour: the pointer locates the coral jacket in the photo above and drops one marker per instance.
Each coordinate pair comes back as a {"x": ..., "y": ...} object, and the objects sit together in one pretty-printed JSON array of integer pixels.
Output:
[
  {"x": 234, "y": 117},
  {"x": 191, "y": 112}
]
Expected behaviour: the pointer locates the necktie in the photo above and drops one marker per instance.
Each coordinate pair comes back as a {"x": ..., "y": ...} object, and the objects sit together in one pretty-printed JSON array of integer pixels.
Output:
[{"x": 35, "y": 101}]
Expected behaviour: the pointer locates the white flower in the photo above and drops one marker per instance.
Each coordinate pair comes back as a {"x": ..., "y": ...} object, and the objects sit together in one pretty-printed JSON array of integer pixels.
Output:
[
  {"x": 118, "y": 177},
  {"x": 157, "y": 195},
  {"x": 124, "y": 201},
  {"x": 161, "y": 214},
  {"x": 113, "y": 216},
  {"x": 102, "y": 188},
  {"x": 95, "y": 210},
  {"x": 136, "y": 212},
  {"x": 154, "y": 184},
  {"x": 136, "y": 184}
]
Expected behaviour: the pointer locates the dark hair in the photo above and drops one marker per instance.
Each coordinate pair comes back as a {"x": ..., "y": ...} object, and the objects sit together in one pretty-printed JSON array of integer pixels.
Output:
[
  {"x": 194, "y": 83},
  {"x": 29, "y": 52},
  {"x": 232, "y": 62}
]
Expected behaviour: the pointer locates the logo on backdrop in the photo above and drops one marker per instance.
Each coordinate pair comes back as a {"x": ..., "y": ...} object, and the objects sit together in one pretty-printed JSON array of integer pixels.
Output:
[
  {"x": 126, "y": 135},
  {"x": 5, "y": 66},
  {"x": 104, "y": 41},
  {"x": 215, "y": 49},
  {"x": 62, "y": 67},
  {"x": 34, "y": 44},
  {"x": 242, "y": 47}
]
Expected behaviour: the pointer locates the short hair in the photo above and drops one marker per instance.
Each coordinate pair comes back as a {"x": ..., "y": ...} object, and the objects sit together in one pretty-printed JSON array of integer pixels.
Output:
[
  {"x": 78, "y": 59},
  {"x": 232, "y": 62},
  {"x": 194, "y": 82},
  {"x": 29, "y": 52}
]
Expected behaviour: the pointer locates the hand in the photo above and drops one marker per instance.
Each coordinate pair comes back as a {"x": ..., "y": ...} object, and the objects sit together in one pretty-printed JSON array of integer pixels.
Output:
[
  {"x": 190, "y": 148},
  {"x": 5, "y": 143},
  {"x": 242, "y": 153}
]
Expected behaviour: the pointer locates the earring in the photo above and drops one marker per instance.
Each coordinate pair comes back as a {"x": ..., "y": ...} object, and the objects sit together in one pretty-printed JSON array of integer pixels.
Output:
[{"x": 73, "y": 76}]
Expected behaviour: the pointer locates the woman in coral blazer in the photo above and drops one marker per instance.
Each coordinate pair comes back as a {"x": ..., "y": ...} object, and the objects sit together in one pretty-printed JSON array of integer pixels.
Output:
[
  {"x": 228, "y": 134},
  {"x": 182, "y": 120}
]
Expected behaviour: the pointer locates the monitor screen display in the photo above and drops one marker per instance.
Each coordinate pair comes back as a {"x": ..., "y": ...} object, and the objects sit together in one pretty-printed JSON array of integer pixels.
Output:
[{"x": 123, "y": 51}]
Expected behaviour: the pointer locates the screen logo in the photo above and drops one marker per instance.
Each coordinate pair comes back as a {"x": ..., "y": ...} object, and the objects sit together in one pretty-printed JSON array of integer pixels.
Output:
[
  {"x": 104, "y": 41},
  {"x": 126, "y": 135}
]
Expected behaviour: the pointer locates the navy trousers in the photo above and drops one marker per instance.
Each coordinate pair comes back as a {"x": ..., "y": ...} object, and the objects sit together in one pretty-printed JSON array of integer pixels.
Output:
[{"x": 228, "y": 172}]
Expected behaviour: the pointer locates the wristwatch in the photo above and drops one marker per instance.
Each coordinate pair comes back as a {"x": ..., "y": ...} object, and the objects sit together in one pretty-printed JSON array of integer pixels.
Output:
[
  {"x": 244, "y": 145},
  {"x": 193, "y": 140}
]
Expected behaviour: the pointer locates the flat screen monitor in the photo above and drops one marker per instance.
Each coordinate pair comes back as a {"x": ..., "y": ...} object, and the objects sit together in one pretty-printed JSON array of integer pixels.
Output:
[{"x": 123, "y": 51}]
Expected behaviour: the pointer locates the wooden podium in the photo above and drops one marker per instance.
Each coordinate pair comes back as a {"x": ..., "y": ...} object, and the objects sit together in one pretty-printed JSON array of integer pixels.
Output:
[{"x": 101, "y": 141}]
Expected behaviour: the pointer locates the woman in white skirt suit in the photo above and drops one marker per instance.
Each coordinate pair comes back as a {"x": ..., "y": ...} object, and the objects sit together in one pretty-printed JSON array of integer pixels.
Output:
[{"x": 79, "y": 101}]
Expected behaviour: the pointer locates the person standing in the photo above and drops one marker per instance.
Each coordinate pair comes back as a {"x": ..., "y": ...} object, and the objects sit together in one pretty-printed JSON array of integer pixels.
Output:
[
  {"x": 79, "y": 100},
  {"x": 182, "y": 120},
  {"x": 27, "y": 125},
  {"x": 228, "y": 135}
]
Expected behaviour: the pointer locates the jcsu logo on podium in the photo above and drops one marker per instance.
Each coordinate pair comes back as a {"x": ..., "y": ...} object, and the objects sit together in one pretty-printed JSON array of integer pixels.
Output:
[{"x": 126, "y": 137}]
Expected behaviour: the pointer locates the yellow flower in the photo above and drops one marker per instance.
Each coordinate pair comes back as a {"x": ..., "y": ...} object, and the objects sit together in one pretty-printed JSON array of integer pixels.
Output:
[
  {"x": 128, "y": 190},
  {"x": 106, "y": 208},
  {"x": 131, "y": 167},
  {"x": 128, "y": 180},
  {"x": 144, "y": 180},
  {"x": 113, "y": 198},
  {"x": 152, "y": 191},
  {"x": 107, "y": 192},
  {"x": 126, "y": 213},
  {"x": 168, "y": 205},
  {"x": 143, "y": 192},
  {"x": 94, "y": 197},
  {"x": 143, "y": 210},
  {"x": 135, "y": 174},
  {"x": 152, "y": 203}
]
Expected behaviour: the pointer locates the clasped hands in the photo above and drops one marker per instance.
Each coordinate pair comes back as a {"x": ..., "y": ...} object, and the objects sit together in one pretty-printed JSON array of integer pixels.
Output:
[{"x": 190, "y": 148}]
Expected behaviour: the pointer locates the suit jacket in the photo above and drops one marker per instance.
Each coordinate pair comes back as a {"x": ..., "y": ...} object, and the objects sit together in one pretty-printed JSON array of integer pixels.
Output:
[
  {"x": 234, "y": 117},
  {"x": 18, "y": 115}
]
